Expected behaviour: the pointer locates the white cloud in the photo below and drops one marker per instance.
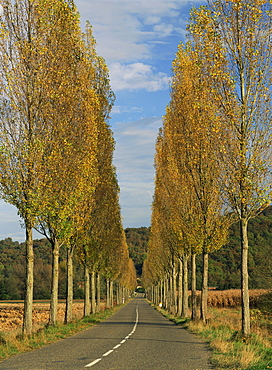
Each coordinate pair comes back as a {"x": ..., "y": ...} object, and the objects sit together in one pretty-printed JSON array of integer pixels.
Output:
[
  {"x": 149, "y": 20},
  {"x": 118, "y": 109},
  {"x": 137, "y": 76},
  {"x": 164, "y": 29},
  {"x": 120, "y": 26}
]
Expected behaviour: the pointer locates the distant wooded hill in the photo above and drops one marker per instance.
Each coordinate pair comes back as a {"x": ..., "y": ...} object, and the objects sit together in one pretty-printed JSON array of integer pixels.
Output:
[
  {"x": 224, "y": 264},
  {"x": 137, "y": 241}
]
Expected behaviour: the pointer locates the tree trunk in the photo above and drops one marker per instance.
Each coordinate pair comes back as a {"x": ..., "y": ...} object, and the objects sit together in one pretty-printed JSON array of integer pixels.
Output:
[
  {"x": 124, "y": 294},
  {"x": 193, "y": 287},
  {"x": 161, "y": 292},
  {"x": 98, "y": 293},
  {"x": 174, "y": 288},
  {"x": 165, "y": 292},
  {"x": 108, "y": 293},
  {"x": 171, "y": 302},
  {"x": 180, "y": 287},
  {"x": 244, "y": 279},
  {"x": 118, "y": 299},
  {"x": 111, "y": 293},
  {"x": 157, "y": 294},
  {"x": 185, "y": 286},
  {"x": 93, "y": 289},
  {"x": 204, "y": 290},
  {"x": 54, "y": 283},
  {"x": 87, "y": 306},
  {"x": 28, "y": 302},
  {"x": 69, "y": 285}
]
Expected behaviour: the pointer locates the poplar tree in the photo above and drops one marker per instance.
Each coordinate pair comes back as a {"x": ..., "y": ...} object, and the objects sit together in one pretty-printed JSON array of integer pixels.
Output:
[
  {"x": 24, "y": 95},
  {"x": 233, "y": 38},
  {"x": 191, "y": 128},
  {"x": 89, "y": 220},
  {"x": 71, "y": 110}
]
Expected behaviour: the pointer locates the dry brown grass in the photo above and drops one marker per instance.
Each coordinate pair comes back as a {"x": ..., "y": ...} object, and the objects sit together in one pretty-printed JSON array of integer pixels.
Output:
[
  {"x": 232, "y": 297},
  {"x": 223, "y": 332},
  {"x": 11, "y": 314},
  {"x": 248, "y": 356}
]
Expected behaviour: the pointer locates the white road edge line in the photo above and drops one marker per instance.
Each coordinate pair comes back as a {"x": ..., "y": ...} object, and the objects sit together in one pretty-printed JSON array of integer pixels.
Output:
[{"x": 118, "y": 345}]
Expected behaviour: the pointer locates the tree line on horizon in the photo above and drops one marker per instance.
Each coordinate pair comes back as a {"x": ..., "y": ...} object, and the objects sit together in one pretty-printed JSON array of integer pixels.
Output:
[
  {"x": 56, "y": 149},
  {"x": 213, "y": 153},
  {"x": 223, "y": 264}
]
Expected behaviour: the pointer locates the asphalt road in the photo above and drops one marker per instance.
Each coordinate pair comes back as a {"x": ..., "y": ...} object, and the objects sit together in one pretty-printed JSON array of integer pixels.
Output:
[{"x": 137, "y": 337}]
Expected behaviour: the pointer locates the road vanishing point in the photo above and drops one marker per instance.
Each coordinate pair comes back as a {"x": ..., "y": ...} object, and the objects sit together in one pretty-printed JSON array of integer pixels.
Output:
[{"x": 136, "y": 337}]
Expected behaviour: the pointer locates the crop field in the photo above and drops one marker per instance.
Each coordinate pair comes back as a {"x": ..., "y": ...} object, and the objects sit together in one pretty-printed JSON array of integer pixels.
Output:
[
  {"x": 11, "y": 314},
  {"x": 232, "y": 297}
]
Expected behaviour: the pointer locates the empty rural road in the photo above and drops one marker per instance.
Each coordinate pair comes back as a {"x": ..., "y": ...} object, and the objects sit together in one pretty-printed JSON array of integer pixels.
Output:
[{"x": 137, "y": 337}]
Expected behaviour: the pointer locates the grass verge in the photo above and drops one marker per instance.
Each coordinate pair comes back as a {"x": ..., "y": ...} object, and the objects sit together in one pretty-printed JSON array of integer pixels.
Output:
[
  {"x": 13, "y": 343},
  {"x": 229, "y": 350}
]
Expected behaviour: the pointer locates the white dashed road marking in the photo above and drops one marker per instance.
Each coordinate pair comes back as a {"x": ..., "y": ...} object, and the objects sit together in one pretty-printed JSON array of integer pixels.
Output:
[{"x": 118, "y": 345}]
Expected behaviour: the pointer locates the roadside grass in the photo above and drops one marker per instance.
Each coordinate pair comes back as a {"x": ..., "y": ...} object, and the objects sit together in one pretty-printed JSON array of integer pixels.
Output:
[
  {"x": 223, "y": 332},
  {"x": 12, "y": 343}
]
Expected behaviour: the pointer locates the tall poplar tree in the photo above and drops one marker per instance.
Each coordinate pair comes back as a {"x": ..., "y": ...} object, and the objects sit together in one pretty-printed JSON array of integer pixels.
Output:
[
  {"x": 233, "y": 38},
  {"x": 191, "y": 128},
  {"x": 70, "y": 172},
  {"x": 24, "y": 93}
]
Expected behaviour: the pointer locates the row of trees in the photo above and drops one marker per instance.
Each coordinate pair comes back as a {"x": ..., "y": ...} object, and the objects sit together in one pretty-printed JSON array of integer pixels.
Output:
[
  {"x": 223, "y": 263},
  {"x": 213, "y": 154},
  {"x": 56, "y": 146}
]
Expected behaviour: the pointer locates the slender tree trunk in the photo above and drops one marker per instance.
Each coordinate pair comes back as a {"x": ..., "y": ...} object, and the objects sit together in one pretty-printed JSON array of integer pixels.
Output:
[
  {"x": 174, "y": 288},
  {"x": 98, "y": 293},
  {"x": 171, "y": 301},
  {"x": 161, "y": 291},
  {"x": 150, "y": 294},
  {"x": 54, "y": 283},
  {"x": 185, "y": 286},
  {"x": 204, "y": 291},
  {"x": 243, "y": 209},
  {"x": 111, "y": 293},
  {"x": 69, "y": 285},
  {"x": 28, "y": 302},
  {"x": 180, "y": 287},
  {"x": 93, "y": 289},
  {"x": 118, "y": 300},
  {"x": 157, "y": 294},
  {"x": 165, "y": 283},
  {"x": 244, "y": 279},
  {"x": 87, "y": 306},
  {"x": 108, "y": 293},
  {"x": 124, "y": 294},
  {"x": 193, "y": 287}
]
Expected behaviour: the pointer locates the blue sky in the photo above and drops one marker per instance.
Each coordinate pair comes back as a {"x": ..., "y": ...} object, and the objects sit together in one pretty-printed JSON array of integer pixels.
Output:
[{"x": 138, "y": 40}]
